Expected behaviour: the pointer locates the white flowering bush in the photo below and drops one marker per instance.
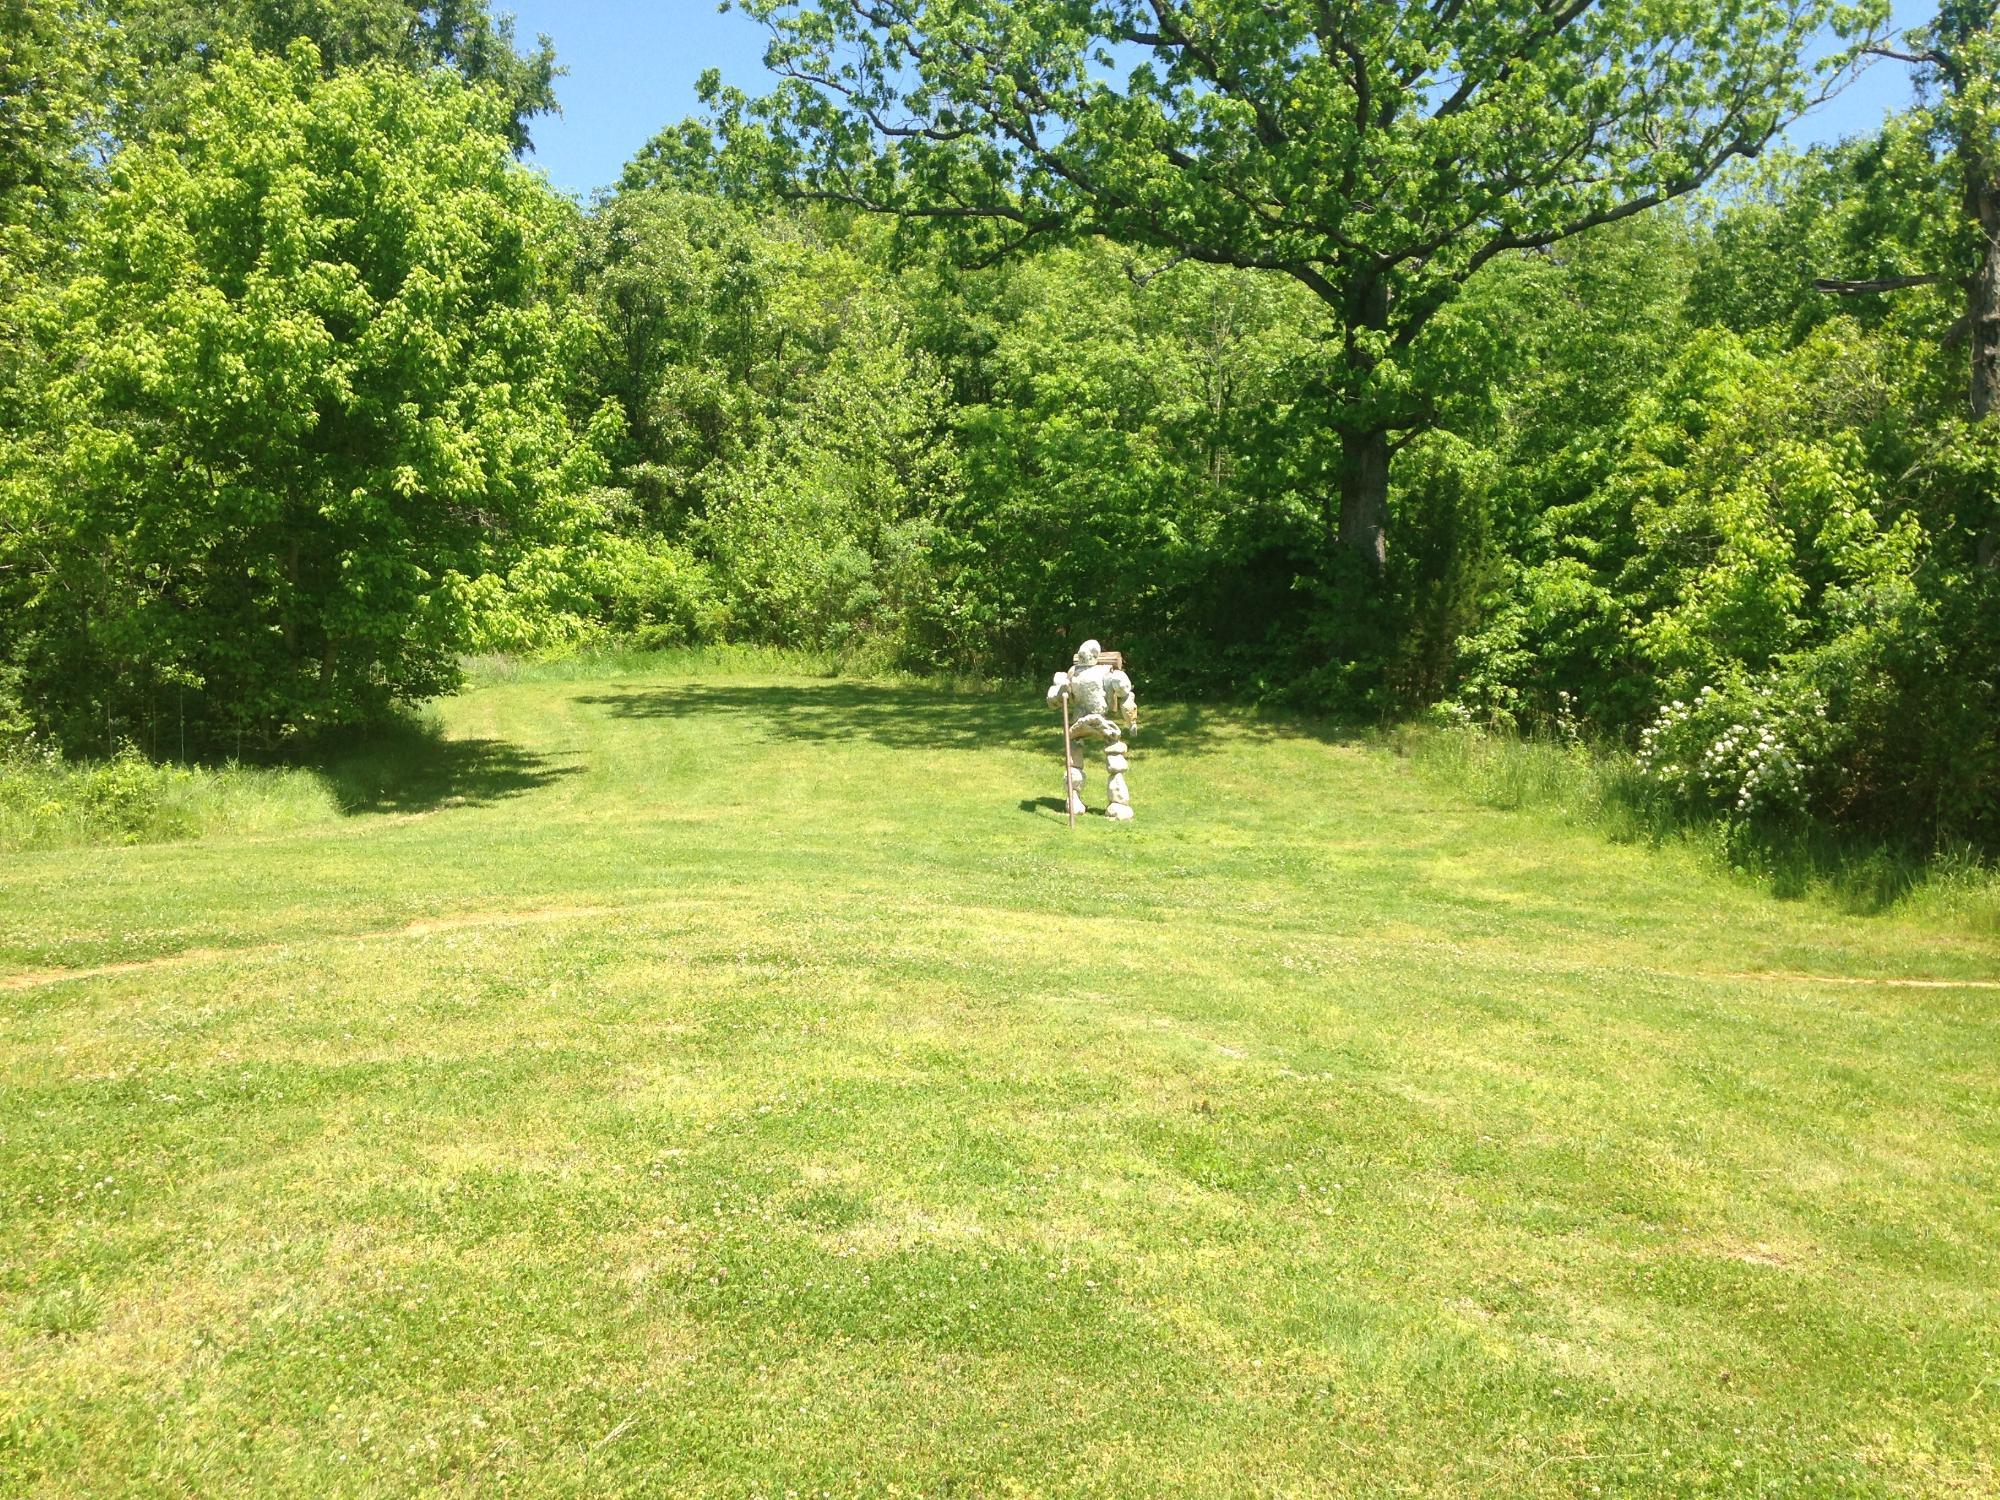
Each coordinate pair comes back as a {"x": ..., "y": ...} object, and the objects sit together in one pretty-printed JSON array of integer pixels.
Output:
[
  {"x": 1451, "y": 714},
  {"x": 1563, "y": 723},
  {"x": 1748, "y": 752}
]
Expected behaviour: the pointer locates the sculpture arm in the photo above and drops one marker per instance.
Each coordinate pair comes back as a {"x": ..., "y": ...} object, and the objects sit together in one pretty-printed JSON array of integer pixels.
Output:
[
  {"x": 1058, "y": 687},
  {"x": 1124, "y": 701}
]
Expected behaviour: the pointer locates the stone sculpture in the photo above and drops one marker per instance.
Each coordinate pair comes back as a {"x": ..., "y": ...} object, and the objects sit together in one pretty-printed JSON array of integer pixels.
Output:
[{"x": 1102, "y": 707}]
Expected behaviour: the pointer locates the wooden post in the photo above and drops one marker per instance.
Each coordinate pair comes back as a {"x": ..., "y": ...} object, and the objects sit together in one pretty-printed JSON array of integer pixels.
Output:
[{"x": 1069, "y": 792}]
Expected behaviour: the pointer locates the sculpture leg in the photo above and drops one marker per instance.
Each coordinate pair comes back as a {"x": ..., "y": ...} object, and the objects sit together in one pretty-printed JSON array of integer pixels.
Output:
[
  {"x": 1075, "y": 778},
  {"x": 1120, "y": 808}
]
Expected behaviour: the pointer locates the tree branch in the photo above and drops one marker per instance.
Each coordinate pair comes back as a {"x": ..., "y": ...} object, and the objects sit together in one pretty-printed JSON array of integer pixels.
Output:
[
  {"x": 1841, "y": 288},
  {"x": 1918, "y": 59}
]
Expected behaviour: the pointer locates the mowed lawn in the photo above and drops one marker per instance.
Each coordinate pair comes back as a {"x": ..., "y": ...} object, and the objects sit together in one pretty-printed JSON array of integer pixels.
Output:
[{"x": 748, "y": 1086}]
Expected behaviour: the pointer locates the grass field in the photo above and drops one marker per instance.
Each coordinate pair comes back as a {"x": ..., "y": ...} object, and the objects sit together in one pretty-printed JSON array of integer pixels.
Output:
[{"x": 743, "y": 1085}]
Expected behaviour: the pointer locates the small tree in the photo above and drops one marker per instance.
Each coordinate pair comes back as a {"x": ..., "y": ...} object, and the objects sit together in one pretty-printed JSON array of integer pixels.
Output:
[
  {"x": 1378, "y": 153},
  {"x": 306, "y": 438}
]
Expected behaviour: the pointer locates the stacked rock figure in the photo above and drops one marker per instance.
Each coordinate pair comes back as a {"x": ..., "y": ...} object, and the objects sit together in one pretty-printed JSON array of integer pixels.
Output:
[
  {"x": 1102, "y": 707},
  {"x": 1120, "y": 794}
]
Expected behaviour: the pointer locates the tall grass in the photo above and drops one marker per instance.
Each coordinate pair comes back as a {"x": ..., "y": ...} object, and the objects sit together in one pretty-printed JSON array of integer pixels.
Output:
[
  {"x": 592, "y": 661},
  {"x": 47, "y": 802},
  {"x": 1601, "y": 785}
]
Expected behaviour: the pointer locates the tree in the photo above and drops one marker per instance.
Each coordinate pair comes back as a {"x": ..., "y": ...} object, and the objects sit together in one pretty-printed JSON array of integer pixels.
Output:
[
  {"x": 1957, "y": 58},
  {"x": 783, "y": 431},
  {"x": 304, "y": 439},
  {"x": 1964, "y": 59},
  {"x": 1122, "y": 449},
  {"x": 48, "y": 57},
  {"x": 164, "y": 40},
  {"x": 1379, "y": 154}
]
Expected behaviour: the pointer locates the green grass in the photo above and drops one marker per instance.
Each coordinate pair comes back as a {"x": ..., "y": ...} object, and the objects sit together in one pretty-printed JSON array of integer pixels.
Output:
[{"x": 740, "y": 1084}]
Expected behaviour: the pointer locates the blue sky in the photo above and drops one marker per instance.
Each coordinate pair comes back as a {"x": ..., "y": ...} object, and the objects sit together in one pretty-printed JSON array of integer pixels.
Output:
[{"x": 632, "y": 66}]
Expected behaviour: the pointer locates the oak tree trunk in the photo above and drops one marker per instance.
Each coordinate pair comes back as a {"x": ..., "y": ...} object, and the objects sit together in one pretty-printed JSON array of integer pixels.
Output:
[
  {"x": 1364, "y": 495},
  {"x": 1962, "y": 32},
  {"x": 1983, "y": 310},
  {"x": 1982, "y": 315},
  {"x": 1364, "y": 468}
]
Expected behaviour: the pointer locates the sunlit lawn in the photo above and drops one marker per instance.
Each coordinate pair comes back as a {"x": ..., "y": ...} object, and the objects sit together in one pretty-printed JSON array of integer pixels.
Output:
[{"x": 744, "y": 1086}]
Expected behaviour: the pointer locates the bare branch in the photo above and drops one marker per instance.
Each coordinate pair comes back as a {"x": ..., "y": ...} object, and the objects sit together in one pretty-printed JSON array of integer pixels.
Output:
[
  {"x": 1142, "y": 279},
  {"x": 1841, "y": 288},
  {"x": 1919, "y": 59}
]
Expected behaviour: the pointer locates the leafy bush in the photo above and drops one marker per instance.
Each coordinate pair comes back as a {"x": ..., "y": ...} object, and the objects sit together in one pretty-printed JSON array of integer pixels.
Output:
[
  {"x": 1443, "y": 564},
  {"x": 16, "y": 724},
  {"x": 1747, "y": 588},
  {"x": 656, "y": 594}
]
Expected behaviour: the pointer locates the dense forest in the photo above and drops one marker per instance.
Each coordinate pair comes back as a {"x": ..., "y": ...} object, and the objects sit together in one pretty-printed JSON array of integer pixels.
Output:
[{"x": 1487, "y": 363}]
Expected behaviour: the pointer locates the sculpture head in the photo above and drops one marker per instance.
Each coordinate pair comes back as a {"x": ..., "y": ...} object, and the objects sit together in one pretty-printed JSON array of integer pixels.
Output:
[{"x": 1087, "y": 654}]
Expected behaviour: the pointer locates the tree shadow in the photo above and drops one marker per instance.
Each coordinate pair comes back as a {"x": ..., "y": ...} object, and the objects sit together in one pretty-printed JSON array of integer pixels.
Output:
[
  {"x": 915, "y": 717},
  {"x": 412, "y": 768},
  {"x": 1855, "y": 871}
]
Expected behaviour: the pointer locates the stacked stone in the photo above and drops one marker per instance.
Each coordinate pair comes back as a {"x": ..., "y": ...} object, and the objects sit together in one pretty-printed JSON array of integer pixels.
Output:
[
  {"x": 1096, "y": 689},
  {"x": 1121, "y": 797}
]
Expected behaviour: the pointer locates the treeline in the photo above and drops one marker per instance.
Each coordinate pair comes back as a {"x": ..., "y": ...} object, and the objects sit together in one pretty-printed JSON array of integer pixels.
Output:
[{"x": 308, "y": 388}]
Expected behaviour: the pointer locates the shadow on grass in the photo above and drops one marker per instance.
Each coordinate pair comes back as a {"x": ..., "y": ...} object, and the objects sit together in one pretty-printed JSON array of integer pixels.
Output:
[
  {"x": 914, "y": 717},
  {"x": 410, "y": 767},
  {"x": 1853, "y": 871}
]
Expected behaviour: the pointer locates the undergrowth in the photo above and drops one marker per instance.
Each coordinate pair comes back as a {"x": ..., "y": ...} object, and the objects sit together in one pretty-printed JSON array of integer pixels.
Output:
[
  {"x": 593, "y": 660},
  {"x": 47, "y": 802},
  {"x": 1602, "y": 785}
]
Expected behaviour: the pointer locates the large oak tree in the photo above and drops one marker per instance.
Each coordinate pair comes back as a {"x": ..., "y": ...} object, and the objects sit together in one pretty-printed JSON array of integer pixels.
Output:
[
  {"x": 1378, "y": 151},
  {"x": 1957, "y": 57}
]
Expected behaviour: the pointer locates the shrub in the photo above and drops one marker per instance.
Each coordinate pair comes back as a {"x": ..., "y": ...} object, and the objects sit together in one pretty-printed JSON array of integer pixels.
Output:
[
  {"x": 304, "y": 424},
  {"x": 656, "y": 594},
  {"x": 1748, "y": 752}
]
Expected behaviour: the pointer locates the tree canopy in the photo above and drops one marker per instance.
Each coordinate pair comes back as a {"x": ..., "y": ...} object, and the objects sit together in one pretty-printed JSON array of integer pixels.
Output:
[
  {"x": 1378, "y": 154},
  {"x": 162, "y": 42}
]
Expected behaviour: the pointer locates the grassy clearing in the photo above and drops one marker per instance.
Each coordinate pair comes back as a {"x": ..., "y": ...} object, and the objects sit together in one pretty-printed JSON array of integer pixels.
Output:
[
  {"x": 743, "y": 1084},
  {"x": 48, "y": 802}
]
